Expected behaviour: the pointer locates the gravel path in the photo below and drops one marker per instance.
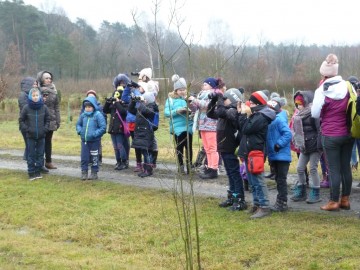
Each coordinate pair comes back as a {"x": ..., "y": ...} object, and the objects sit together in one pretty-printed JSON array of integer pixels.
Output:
[{"x": 165, "y": 178}]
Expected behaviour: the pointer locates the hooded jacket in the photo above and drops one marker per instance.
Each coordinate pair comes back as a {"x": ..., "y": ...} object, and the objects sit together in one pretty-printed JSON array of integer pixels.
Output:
[
  {"x": 91, "y": 126},
  {"x": 330, "y": 103},
  {"x": 25, "y": 85}
]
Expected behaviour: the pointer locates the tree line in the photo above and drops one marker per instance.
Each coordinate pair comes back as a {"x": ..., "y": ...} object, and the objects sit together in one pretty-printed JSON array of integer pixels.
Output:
[{"x": 33, "y": 40}]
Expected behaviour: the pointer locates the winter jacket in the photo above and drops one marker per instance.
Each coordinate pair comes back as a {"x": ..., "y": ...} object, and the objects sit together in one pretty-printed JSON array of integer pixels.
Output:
[
  {"x": 91, "y": 126},
  {"x": 25, "y": 85},
  {"x": 278, "y": 133},
  {"x": 254, "y": 129},
  {"x": 178, "y": 122},
  {"x": 34, "y": 121},
  {"x": 116, "y": 110},
  {"x": 227, "y": 134},
  {"x": 144, "y": 132},
  {"x": 330, "y": 103}
]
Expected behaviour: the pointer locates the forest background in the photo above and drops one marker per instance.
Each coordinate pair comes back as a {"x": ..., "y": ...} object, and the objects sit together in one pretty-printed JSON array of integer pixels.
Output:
[{"x": 81, "y": 58}]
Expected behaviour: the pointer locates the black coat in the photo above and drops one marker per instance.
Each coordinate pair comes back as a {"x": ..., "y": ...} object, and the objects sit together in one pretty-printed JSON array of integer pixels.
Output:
[
  {"x": 227, "y": 135},
  {"x": 34, "y": 123},
  {"x": 144, "y": 132},
  {"x": 115, "y": 124}
]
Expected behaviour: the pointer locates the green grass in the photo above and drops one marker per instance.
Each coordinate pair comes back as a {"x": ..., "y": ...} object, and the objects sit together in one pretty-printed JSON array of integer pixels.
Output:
[{"x": 64, "y": 223}]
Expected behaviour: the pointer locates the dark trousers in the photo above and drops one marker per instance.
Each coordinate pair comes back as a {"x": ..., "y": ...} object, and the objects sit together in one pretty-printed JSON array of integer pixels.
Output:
[
  {"x": 35, "y": 157},
  {"x": 148, "y": 156},
  {"x": 26, "y": 147},
  {"x": 48, "y": 146},
  {"x": 338, "y": 155},
  {"x": 232, "y": 167},
  {"x": 184, "y": 141},
  {"x": 281, "y": 169},
  {"x": 121, "y": 146},
  {"x": 90, "y": 153},
  {"x": 137, "y": 150}
]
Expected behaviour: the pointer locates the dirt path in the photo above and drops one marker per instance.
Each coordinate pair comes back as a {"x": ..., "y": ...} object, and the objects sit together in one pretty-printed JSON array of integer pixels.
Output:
[{"x": 165, "y": 178}]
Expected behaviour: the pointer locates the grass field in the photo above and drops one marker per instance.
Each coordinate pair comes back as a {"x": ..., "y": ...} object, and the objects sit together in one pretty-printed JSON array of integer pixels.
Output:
[{"x": 64, "y": 223}]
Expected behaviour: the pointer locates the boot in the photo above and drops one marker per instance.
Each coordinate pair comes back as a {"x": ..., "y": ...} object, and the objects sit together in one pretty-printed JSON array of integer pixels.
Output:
[
  {"x": 148, "y": 169},
  {"x": 44, "y": 170},
  {"x": 118, "y": 163},
  {"x": 122, "y": 165},
  {"x": 261, "y": 212},
  {"x": 253, "y": 209},
  {"x": 345, "y": 203},
  {"x": 279, "y": 206},
  {"x": 84, "y": 175},
  {"x": 331, "y": 206},
  {"x": 314, "y": 196},
  {"x": 93, "y": 175},
  {"x": 50, "y": 166},
  {"x": 209, "y": 174},
  {"x": 181, "y": 169},
  {"x": 239, "y": 204},
  {"x": 299, "y": 193},
  {"x": 229, "y": 201},
  {"x": 138, "y": 167}
]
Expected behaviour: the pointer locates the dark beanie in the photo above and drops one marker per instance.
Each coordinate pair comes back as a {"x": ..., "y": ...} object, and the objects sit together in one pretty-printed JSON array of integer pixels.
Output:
[{"x": 212, "y": 82}]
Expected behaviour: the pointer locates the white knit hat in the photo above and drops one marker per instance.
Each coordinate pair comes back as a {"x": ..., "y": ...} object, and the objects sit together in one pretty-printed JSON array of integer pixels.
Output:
[
  {"x": 330, "y": 67},
  {"x": 145, "y": 72}
]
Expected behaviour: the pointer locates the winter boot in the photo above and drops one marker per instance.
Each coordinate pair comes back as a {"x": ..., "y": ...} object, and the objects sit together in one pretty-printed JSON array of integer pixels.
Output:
[
  {"x": 239, "y": 204},
  {"x": 299, "y": 193},
  {"x": 138, "y": 167},
  {"x": 279, "y": 206},
  {"x": 181, "y": 169},
  {"x": 261, "y": 212},
  {"x": 345, "y": 203},
  {"x": 314, "y": 196},
  {"x": 253, "y": 209},
  {"x": 209, "y": 174},
  {"x": 93, "y": 175},
  {"x": 118, "y": 163},
  {"x": 122, "y": 165},
  {"x": 84, "y": 175},
  {"x": 148, "y": 169},
  {"x": 229, "y": 201}
]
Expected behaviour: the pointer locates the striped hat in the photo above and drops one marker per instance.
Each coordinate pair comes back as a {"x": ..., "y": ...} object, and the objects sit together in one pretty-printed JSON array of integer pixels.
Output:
[{"x": 259, "y": 98}]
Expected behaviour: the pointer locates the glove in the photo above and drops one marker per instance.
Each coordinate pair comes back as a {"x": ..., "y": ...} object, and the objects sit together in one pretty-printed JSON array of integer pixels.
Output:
[{"x": 277, "y": 148}]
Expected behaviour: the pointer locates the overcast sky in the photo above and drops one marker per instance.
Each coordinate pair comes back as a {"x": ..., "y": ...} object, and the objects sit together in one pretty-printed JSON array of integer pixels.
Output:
[{"x": 321, "y": 22}]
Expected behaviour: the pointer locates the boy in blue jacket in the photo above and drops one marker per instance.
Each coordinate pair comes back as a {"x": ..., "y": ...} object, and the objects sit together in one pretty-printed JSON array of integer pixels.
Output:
[{"x": 91, "y": 126}]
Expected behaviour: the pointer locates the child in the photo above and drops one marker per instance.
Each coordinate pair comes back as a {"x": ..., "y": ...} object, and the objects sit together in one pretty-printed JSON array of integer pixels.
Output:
[
  {"x": 91, "y": 126},
  {"x": 223, "y": 108},
  {"x": 144, "y": 107},
  {"x": 279, "y": 153},
  {"x": 34, "y": 122},
  {"x": 254, "y": 129},
  {"x": 180, "y": 122},
  {"x": 207, "y": 126},
  {"x": 305, "y": 130}
]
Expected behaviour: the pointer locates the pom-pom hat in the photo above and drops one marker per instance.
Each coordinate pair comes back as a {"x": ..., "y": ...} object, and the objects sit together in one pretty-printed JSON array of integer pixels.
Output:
[
  {"x": 330, "y": 67},
  {"x": 259, "y": 98},
  {"x": 179, "y": 83}
]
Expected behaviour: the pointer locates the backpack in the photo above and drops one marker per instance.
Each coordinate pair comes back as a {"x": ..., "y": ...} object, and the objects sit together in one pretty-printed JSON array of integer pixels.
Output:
[{"x": 353, "y": 118}]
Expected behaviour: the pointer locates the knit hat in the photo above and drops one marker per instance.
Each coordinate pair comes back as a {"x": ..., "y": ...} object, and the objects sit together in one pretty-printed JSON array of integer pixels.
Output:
[
  {"x": 259, "y": 98},
  {"x": 145, "y": 72},
  {"x": 93, "y": 92},
  {"x": 88, "y": 103},
  {"x": 330, "y": 67},
  {"x": 149, "y": 97},
  {"x": 144, "y": 86},
  {"x": 212, "y": 82},
  {"x": 234, "y": 95},
  {"x": 178, "y": 82},
  {"x": 281, "y": 100},
  {"x": 274, "y": 105},
  {"x": 266, "y": 92},
  {"x": 153, "y": 86},
  {"x": 299, "y": 100}
]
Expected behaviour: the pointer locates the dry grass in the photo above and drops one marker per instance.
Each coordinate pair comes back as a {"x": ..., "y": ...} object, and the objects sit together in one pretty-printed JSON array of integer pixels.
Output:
[{"x": 63, "y": 223}]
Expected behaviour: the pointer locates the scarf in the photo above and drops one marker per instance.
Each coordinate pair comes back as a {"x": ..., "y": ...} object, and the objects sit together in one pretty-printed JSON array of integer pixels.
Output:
[
  {"x": 35, "y": 105},
  {"x": 297, "y": 128}
]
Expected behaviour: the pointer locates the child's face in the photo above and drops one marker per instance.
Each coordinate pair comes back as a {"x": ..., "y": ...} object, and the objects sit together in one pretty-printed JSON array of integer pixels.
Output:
[
  {"x": 35, "y": 96},
  {"x": 89, "y": 108},
  {"x": 181, "y": 92},
  {"x": 35, "y": 84},
  {"x": 300, "y": 107},
  {"x": 227, "y": 102},
  {"x": 252, "y": 104},
  {"x": 206, "y": 86}
]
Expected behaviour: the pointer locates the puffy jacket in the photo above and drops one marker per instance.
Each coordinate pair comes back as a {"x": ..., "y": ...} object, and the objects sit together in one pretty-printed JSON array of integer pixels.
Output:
[{"x": 91, "y": 126}]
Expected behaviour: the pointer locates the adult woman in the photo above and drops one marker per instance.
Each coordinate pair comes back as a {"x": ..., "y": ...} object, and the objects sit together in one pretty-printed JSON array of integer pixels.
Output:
[
  {"x": 52, "y": 101},
  {"x": 180, "y": 123},
  {"x": 330, "y": 103}
]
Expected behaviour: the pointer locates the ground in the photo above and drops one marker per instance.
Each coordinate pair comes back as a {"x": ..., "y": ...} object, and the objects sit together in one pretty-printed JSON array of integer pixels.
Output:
[{"x": 164, "y": 178}]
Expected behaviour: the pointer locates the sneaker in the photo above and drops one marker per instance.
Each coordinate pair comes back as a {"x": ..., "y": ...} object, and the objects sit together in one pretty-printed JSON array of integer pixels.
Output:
[
  {"x": 238, "y": 206},
  {"x": 279, "y": 206},
  {"x": 261, "y": 212},
  {"x": 32, "y": 177},
  {"x": 38, "y": 175}
]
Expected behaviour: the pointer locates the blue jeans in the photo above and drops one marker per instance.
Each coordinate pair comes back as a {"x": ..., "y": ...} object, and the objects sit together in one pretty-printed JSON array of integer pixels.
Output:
[
  {"x": 232, "y": 167},
  {"x": 259, "y": 188},
  {"x": 35, "y": 157},
  {"x": 90, "y": 152},
  {"x": 121, "y": 146},
  {"x": 338, "y": 154},
  {"x": 148, "y": 156}
]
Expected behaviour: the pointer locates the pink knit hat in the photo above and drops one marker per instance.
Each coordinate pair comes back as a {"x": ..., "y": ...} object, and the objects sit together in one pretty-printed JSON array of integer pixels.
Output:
[{"x": 330, "y": 67}]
